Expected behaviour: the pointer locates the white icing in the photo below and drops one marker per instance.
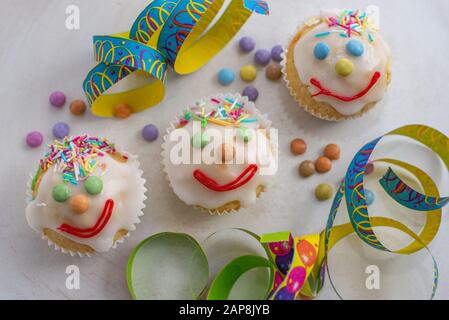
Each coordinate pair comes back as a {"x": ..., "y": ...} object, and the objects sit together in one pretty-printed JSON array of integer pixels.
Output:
[
  {"x": 192, "y": 192},
  {"x": 376, "y": 57},
  {"x": 122, "y": 182}
]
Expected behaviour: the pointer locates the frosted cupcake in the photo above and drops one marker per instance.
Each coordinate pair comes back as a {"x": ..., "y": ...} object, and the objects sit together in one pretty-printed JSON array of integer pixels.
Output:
[
  {"x": 220, "y": 154},
  {"x": 85, "y": 196},
  {"x": 338, "y": 66}
]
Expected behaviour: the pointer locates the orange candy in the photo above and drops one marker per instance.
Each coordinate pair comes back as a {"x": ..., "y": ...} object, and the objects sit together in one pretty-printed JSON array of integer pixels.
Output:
[
  {"x": 79, "y": 203},
  {"x": 332, "y": 151},
  {"x": 77, "y": 107},
  {"x": 323, "y": 165},
  {"x": 298, "y": 146},
  {"x": 122, "y": 111}
]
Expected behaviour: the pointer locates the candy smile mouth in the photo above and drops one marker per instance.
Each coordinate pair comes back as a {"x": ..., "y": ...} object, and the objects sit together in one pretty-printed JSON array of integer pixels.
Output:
[
  {"x": 323, "y": 91},
  {"x": 241, "y": 180},
  {"x": 96, "y": 229}
]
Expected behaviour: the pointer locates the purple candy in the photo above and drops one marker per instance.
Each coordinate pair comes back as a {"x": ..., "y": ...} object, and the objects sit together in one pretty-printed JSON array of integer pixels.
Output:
[
  {"x": 34, "y": 139},
  {"x": 262, "y": 57},
  {"x": 61, "y": 130},
  {"x": 251, "y": 92},
  {"x": 276, "y": 53},
  {"x": 150, "y": 132},
  {"x": 57, "y": 99},
  {"x": 247, "y": 44}
]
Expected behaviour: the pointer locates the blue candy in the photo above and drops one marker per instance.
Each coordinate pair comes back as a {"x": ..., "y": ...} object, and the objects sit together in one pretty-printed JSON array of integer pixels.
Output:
[
  {"x": 321, "y": 51},
  {"x": 355, "y": 48},
  {"x": 226, "y": 76},
  {"x": 369, "y": 197}
]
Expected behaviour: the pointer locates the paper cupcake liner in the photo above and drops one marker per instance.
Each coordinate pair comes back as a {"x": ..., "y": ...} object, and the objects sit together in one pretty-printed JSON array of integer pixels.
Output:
[
  {"x": 307, "y": 107},
  {"x": 173, "y": 126},
  {"x": 135, "y": 162}
]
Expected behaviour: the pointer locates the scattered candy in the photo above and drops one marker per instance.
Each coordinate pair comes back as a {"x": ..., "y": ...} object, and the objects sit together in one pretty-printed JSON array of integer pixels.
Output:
[
  {"x": 273, "y": 72},
  {"x": 306, "y": 169},
  {"x": 34, "y": 139},
  {"x": 369, "y": 168},
  {"x": 247, "y": 44},
  {"x": 332, "y": 151},
  {"x": 262, "y": 57},
  {"x": 61, "y": 130},
  {"x": 369, "y": 197},
  {"x": 79, "y": 203},
  {"x": 248, "y": 73},
  {"x": 122, "y": 111},
  {"x": 276, "y": 53},
  {"x": 344, "y": 67},
  {"x": 323, "y": 165},
  {"x": 77, "y": 107},
  {"x": 150, "y": 132},
  {"x": 93, "y": 185},
  {"x": 57, "y": 99},
  {"x": 226, "y": 76},
  {"x": 251, "y": 92},
  {"x": 321, "y": 51},
  {"x": 298, "y": 146},
  {"x": 324, "y": 192}
]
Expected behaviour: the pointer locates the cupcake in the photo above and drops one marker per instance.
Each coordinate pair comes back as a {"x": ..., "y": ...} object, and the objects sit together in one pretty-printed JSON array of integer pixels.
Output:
[
  {"x": 85, "y": 196},
  {"x": 220, "y": 154},
  {"x": 338, "y": 66}
]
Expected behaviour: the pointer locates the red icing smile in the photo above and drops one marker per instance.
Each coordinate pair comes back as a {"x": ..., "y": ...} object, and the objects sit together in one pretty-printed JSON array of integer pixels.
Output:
[
  {"x": 96, "y": 229},
  {"x": 241, "y": 180},
  {"x": 326, "y": 92}
]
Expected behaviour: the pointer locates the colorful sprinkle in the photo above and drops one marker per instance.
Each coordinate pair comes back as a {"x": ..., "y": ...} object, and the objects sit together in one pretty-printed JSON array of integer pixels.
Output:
[
  {"x": 228, "y": 112},
  {"x": 76, "y": 157}
]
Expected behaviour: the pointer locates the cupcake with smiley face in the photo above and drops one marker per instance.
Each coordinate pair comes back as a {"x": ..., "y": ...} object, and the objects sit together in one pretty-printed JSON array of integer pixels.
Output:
[
  {"x": 220, "y": 154},
  {"x": 338, "y": 66},
  {"x": 85, "y": 196}
]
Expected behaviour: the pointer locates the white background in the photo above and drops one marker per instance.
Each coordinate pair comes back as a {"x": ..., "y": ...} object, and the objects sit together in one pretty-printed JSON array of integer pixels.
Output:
[{"x": 39, "y": 55}]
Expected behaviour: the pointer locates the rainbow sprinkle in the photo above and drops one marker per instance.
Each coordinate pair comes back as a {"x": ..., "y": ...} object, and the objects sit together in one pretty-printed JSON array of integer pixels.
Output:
[
  {"x": 349, "y": 23},
  {"x": 228, "y": 112},
  {"x": 76, "y": 157}
]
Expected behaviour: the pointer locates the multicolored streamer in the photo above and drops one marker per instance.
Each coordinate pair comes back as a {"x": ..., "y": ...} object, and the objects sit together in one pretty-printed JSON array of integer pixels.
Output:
[
  {"x": 297, "y": 265},
  {"x": 166, "y": 32}
]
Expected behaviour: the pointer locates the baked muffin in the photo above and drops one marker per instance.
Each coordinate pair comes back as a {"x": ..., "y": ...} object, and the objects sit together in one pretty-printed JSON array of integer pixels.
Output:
[
  {"x": 85, "y": 196},
  {"x": 220, "y": 154},
  {"x": 337, "y": 66}
]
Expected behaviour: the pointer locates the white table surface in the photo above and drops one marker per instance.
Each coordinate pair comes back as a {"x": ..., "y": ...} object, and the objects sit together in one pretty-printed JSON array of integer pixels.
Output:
[{"x": 39, "y": 55}]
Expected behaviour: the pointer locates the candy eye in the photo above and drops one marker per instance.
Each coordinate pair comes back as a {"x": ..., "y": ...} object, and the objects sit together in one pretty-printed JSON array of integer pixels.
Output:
[
  {"x": 321, "y": 51},
  {"x": 61, "y": 192},
  {"x": 93, "y": 185},
  {"x": 355, "y": 48},
  {"x": 245, "y": 134},
  {"x": 200, "y": 140}
]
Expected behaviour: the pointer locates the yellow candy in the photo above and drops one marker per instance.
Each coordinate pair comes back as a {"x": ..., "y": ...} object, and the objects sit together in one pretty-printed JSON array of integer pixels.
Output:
[
  {"x": 344, "y": 67},
  {"x": 248, "y": 73}
]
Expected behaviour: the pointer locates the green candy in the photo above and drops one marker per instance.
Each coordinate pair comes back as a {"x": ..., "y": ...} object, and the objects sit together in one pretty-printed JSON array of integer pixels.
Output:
[
  {"x": 61, "y": 192},
  {"x": 93, "y": 185},
  {"x": 245, "y": 134},
  {"x": 324, "y": 192},
  {"x": 200, "y": 140}
]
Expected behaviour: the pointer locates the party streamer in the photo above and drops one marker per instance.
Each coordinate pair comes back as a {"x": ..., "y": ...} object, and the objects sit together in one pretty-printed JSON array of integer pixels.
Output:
[{"x": 166, "y": 33}]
